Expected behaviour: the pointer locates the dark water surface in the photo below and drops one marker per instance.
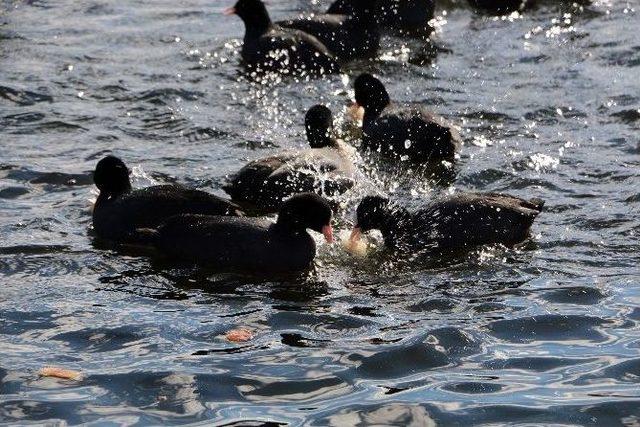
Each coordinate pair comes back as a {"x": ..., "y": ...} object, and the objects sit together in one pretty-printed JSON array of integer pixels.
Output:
[{"x": 546, "y": 333}]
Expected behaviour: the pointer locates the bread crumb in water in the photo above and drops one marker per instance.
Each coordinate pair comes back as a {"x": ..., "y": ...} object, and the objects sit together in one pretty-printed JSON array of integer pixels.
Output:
[
  {"x": 357, "y": 248},
  {"x": 55, "y": 372},
  {"x": 239, "y": 335}
]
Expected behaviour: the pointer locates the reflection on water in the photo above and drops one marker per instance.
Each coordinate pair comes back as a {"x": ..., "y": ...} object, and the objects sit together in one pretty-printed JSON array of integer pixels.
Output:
[{"x": 546, "y": 333}]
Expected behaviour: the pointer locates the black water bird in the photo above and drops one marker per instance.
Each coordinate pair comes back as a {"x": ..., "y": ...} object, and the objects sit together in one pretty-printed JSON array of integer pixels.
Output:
[
  {"x": 404, "y": 17},
  {"x": 326, "y": 168},
  {"x": 456, "y": 222},
  {"x": 269, "y": 47},
  {"x": 249, "y": 245},
  {"x": 119, "y": 210},
  {"x": 348, "y": 36},
  {"x": 408, "y": 131}
]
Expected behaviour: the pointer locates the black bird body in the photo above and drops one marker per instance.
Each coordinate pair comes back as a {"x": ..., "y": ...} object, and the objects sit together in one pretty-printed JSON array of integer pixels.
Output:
[
  {"x": 294, "y": 51},
  {"x": 409, "y": 17},
  {"x": 457, "y": 222},
  {"x": 271, "y": 48},
  {"x": 407, "y": 131},
  {"x": 326, "y": 168},
  {"x": 411, "y": 131},
  {"x": 266, "y": 183},
  {"x": 347, "y": 36},
  {"x": 248, "y": 244},
  {"x": 244, "y": 244},
  {"x": 119, "y": 210}
]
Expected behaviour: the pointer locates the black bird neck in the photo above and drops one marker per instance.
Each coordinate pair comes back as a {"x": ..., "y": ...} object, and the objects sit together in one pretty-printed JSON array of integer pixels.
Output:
[
  {"x": 372, "y": 112},
  {"x": 321, "y": 139},
  {"x": 257, "y": 22},
  {"x": 107, "y": 196},
  {"x": 286, "y": 229},
  {"x": 375, "y": 106},
  {"x": 394, "y": 219},
  {"x": 287, "y": 222}
]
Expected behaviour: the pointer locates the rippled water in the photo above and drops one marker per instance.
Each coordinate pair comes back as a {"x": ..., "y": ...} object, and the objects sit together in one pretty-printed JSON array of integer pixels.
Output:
[{"x": 545, "y": 333}]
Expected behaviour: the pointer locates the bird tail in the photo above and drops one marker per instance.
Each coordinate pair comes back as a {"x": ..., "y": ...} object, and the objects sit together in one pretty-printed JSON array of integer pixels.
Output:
[
  {"x": 227, "y": 186},
  {"x": 232, "y": 187},
  {"x": 537, "y": 204}
]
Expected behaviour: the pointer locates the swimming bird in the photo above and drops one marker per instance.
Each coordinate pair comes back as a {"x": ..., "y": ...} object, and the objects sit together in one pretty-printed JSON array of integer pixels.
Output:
[
  {"x": 269, "y": 47},
  {"x": 326, "y": 168},
  {"x": 119, "y": 210},
  {"x": 456, "y": 222},
  {"x": 408, "y": 131},
  {"x": 404, "y": 17},
  {"x": 348, "y": 36},
  {"x": 246, "y": 244}
]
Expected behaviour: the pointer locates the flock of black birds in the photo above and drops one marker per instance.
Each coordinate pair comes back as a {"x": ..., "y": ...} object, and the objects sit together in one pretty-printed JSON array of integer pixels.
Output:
[{"x": 199, "y": 227}]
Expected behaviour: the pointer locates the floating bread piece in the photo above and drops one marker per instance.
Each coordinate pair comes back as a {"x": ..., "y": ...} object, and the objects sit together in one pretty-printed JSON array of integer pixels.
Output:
[
  {"x": 356, "y": 247},
  {"x": 55, "y": 372},
  {"x": 239, "y": 335}
]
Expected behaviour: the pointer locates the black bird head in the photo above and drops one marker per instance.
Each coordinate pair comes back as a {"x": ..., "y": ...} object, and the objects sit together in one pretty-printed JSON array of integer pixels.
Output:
[
  {"x": 112, "y": 176},
  {"x": 253, "y": 13},
  {"x": 372, "y": 213},
  {"x": 307, "y": 211},
  {"x": 319, "y": 126},
  {"x": 371, "y": 94}
]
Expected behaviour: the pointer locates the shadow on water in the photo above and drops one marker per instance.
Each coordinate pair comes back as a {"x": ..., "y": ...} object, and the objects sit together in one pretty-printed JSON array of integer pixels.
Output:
[{"x": 176, "y": 279}]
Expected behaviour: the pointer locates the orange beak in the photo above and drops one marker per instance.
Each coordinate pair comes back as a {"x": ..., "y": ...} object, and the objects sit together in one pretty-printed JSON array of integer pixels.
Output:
[
  {"x": 355, "y": 235},
  {"x": 327, "y": 231},
  {"x": 229, "y": 11}
]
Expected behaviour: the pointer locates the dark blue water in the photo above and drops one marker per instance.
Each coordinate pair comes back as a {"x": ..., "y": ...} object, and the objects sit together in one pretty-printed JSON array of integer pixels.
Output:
[{"x": 546, "y": 333}]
